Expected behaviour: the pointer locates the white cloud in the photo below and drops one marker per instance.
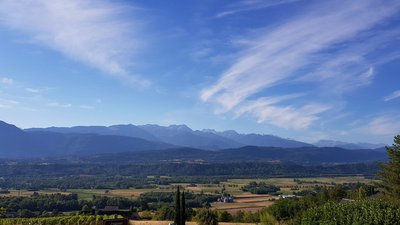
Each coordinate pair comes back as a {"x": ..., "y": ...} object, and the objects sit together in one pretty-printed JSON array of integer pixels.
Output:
[
  {"x": 289, "y": 117},
  {"x": 279, "y": 55},
  {"x": 5, "y": 106},
  {"x": 88, "y": 107},
  {"x": 60, "y": 105},
  {"x": 6, "y": 81},
  {"x": 32, "y": 90},
  {"x": 250, "y": 5},
  {"x": 381, "y": 126},
  {"x": 7, "y": 103},
  {"x": 394, "y": 95},
  {"x": 93, "y": 32}
]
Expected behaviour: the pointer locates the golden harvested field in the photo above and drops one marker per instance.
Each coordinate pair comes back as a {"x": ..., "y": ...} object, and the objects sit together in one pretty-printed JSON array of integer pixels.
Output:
[
  {"x": 25, "y": 193},
  {"x": 126, "y": 193},
  {"x": 246, "y": 202},
  {"x": 254, "y": 199},
  {"x": 206, "y": 188},
  {"x": 290, "y": 181},
  {"x": 152, "y": 222}
]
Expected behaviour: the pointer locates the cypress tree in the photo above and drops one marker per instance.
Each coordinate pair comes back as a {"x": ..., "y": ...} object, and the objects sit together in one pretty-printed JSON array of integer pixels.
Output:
[
  {"x": 183, "y": 210},
  {"x": 177, "y": 220}
]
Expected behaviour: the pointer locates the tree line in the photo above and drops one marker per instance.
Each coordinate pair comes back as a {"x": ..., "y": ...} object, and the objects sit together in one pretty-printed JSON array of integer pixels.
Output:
[
  {"x": 43, "y": 205},
  {"x": 232, "y": 169}
]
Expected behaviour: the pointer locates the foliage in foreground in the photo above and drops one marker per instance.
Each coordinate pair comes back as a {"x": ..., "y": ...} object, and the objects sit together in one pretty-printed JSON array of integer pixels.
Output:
[
  {"x": 389, "y": 174},
  {"x": 206, "y": 217},
  {"x": 58, "y": 220},
  {"x": 366, "y": 212}
]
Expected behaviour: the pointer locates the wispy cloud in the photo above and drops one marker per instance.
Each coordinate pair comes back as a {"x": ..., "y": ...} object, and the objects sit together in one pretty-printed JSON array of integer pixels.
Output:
[
  {"x": 394, "y": 95},
  {"x": 60, "y": 105},
  {"x": 250, "y": 5},
  {"x": 7, "y": 103},
  {"x": 6, "y": 81},
  {"x": 295, "y": 49},
  {"x": 385, "y": 125},
  {"x": 352, "y": 67},
  {"x": 289, "y": 117},
  {"x": 87, "y": 107},
  {"x": 32, "y": 90},
  {"x": 93, "y": 32}
]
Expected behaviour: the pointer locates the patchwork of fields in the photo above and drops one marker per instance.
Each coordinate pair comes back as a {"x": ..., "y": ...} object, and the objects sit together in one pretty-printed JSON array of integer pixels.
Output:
[{"x": 243, "y": 201}]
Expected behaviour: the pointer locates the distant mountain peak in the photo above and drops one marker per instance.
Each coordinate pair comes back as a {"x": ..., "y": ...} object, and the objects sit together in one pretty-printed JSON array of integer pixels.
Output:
[
  {"x": 230, "y": 132},
  {"x": 181, "y": 127},
  {"x": 209, "y": 131}
]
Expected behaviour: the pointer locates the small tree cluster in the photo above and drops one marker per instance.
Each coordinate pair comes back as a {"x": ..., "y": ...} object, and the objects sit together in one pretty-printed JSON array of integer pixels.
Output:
[{"x": 206, "y": 216}]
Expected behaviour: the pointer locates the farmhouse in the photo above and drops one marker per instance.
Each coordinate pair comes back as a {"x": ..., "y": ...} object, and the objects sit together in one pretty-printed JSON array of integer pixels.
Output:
[{"x": 287, "y": 196}]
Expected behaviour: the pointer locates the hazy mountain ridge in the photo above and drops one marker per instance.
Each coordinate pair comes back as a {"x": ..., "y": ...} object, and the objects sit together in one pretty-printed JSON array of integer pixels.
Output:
[
  {"x": 312, "y": 155},
  {"x": 118, "y": 130},
  {"x": 42, "y": 143},
  {"x": 262, "y": 140},
  {"x": 347, "y": 145},
  {"x": 187, "y": 144},
  {"x": 182, "y": 135}
]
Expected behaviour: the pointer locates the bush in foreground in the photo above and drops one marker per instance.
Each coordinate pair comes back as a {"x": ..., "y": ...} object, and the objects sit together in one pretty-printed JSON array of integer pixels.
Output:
[
  {"x": 58, "y": 220},
  {"x": 206, "y": 217},
  {"x": 366, "y": 212}
]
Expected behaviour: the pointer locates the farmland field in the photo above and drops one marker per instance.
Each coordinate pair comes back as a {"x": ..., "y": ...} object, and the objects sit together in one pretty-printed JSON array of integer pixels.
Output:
[
  {"x": 232, "y": 186},
  {"x": 246, "y": 202},
  {"x": 243, "y": 201}
]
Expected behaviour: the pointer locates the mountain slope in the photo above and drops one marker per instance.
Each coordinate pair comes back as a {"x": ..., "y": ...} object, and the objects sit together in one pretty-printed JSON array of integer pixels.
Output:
[
  {"x": 13, "y": 141},
  {"x": 18, "y": 143},
  {"x": 180, "y": 135},
  {"x": 85, "y": 144},
  {"x": 311, "y": 155},
  {"x": 184, "y": 136},
  {"x": 347, "y": 145},
  {"x": 118, "y": 130},
  {"x": 262, "y": 140}
]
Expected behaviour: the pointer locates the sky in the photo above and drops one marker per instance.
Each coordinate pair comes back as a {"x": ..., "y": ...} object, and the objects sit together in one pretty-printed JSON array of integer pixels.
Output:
[{"x": 300, "y": 69}]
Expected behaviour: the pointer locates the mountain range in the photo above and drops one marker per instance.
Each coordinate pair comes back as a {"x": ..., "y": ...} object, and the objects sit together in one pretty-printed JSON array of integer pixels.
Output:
[
  {"x": 176, "y": 140},
  {"x": 180, "y": 135}
]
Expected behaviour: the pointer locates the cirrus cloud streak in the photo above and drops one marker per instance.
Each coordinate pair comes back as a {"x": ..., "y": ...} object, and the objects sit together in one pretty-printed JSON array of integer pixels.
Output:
[
  {"x": 297, "y": 48},
  {"x": 92, "y": 32}
]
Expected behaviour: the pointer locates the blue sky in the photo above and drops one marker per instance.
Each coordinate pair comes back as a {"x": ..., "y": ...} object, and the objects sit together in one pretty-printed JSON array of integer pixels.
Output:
[{"x": 300, "y": 69}]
